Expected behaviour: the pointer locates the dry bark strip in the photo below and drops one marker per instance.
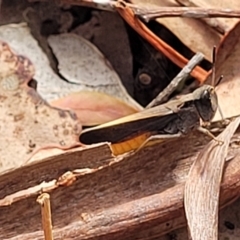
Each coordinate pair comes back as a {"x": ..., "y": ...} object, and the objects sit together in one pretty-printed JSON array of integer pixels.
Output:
[{"x": 136, "y": 196}]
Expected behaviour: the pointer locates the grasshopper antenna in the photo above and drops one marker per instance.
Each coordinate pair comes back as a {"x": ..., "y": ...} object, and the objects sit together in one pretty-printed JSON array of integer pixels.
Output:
[
  {"x": 213, "y": 65},
  {"x": 219, "y": 81}
]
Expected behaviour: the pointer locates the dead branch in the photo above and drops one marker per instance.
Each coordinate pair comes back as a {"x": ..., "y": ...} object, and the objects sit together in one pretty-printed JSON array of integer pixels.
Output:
[
  {"x": 181, "y": 77},
  {"x": 188, "y": 12}
]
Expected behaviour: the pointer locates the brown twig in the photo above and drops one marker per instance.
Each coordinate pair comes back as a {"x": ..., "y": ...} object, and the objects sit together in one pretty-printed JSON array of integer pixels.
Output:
[
  {"x": 44, "y": 201},
  {"x": 181, "y": 77},
  {"x": 189, "y": 12}
]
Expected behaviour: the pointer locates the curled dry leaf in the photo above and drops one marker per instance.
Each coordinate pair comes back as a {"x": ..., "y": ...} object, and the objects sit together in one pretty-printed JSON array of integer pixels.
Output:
[
  {"x": 97, "y": 31},
  {"x": 201, "y": 199},
  {"x": 93, "y": 108},
  {"x": 80, "y": 62},
  {"x": 227, "y": 64},
  {"x": 27, "y": 122}
]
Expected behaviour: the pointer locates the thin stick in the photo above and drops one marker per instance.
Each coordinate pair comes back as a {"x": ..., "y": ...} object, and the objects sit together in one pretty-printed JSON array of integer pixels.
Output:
[
  {"x": 190, "y": 12},
  {"x": 44, "y": 201},
  {"x": 212, "y": 22},
  {"x": 213, "y": 65},
  {"x": 181, "y": 77}
]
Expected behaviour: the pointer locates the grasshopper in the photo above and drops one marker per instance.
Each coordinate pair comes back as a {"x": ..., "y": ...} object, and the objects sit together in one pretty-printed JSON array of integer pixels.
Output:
[{"x": 176, "y": 116}]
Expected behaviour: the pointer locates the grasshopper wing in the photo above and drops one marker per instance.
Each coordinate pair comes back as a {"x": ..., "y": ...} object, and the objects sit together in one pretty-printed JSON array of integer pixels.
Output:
[{"x": 152, "y": 120}]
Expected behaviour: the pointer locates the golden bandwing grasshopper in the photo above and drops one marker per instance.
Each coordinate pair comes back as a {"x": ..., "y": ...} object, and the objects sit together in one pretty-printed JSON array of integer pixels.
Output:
[{"x": 174, "y": 118}]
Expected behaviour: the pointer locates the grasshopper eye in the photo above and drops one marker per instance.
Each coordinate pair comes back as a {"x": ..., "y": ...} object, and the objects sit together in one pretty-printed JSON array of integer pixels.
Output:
[
  {"x": 207, "y": 104},
  {"x": 211, "y": 96},
  {"x": 214, "y": 101}
]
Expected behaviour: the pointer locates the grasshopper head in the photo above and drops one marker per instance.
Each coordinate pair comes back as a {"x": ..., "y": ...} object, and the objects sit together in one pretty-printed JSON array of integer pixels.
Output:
[{"x": 206, "y": 102}]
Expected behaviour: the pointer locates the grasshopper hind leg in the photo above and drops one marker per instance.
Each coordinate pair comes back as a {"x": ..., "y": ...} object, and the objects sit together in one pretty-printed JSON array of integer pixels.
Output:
[{"x": 207, "y": 132}]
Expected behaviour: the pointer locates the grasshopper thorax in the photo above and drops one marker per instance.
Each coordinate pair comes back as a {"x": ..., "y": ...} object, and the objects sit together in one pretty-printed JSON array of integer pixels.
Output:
[{"x": 206, "y": 102}]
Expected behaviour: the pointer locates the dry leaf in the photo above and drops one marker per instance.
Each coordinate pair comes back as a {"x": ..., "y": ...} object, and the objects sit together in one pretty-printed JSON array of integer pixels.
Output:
[
  {"x": 27, "y": 121},
  {"x": 227, "y": 64},
  {"x": 93, "y": 108},
  {"x": 97, "y": 31},
  {"x": 82, "y": 63},
  {"x": 201, "y": 198}
]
